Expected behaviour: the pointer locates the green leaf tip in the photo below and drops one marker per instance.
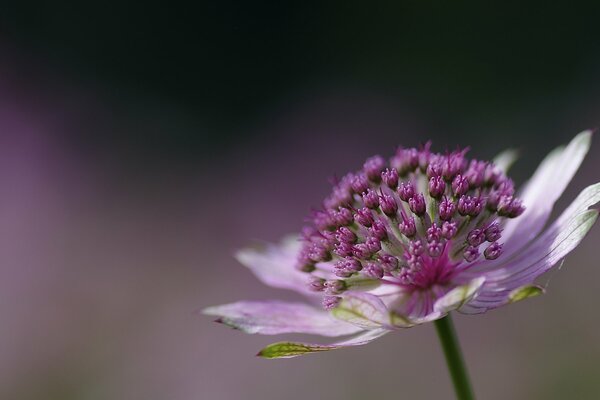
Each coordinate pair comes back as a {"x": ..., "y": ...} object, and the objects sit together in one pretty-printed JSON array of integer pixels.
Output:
[
  {"x": 525, "y": 292},
  {"x": 290, "y": 349}
]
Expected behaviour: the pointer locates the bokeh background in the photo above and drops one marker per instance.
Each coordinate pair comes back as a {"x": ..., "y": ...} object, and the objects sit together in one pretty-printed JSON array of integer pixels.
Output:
[{"x": 141, "y": 144}]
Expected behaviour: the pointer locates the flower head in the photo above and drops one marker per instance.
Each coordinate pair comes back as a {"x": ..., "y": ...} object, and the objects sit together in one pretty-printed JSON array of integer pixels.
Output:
[{"x": 406, "y": 240}]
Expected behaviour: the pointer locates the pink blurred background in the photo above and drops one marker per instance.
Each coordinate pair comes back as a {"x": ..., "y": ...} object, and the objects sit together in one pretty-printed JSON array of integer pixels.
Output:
[{"x": 111, "y": 240}]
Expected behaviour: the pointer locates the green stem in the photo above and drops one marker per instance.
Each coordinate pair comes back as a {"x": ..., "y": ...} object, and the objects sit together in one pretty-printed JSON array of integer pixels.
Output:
[{"x": 454, "y": 359}]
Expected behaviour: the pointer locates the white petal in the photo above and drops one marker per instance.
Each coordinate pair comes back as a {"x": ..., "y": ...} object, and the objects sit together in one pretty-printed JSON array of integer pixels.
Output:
[
  {"x": 547, "y": 251},
  {"x": 275, "y": 317},
  {"x": 363, "y": 309},
  {"x": 458, "y": 296},
  {"x": 506, "y": 159},
  {"x": 544, "y": 188},
  {"x": 274, "y": 265},
  {"x": 558, "y": 231}
]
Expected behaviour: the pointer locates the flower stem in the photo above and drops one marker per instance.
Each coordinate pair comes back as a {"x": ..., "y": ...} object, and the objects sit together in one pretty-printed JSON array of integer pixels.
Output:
[{"x": 454, "y": 359}]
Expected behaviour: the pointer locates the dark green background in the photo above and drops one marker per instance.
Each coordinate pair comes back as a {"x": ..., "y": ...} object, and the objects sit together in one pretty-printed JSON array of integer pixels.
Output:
[{"x": 226, "y": 67}]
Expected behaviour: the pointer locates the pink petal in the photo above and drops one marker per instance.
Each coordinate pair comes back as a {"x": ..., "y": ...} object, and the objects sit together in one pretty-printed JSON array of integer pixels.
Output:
[
  {"x": 274, "y": 265},
  {"x": 544, "y": 188},
  {"x": 565, "y": 232},
  {"x": 275, "y": 317},
  {"x": 294, "y": 349},
  {"x": 547, "y": 250}
]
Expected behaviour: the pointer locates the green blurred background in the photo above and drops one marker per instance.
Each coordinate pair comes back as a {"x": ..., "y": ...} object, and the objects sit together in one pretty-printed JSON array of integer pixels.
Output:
[{"x": 141, "y": 144}]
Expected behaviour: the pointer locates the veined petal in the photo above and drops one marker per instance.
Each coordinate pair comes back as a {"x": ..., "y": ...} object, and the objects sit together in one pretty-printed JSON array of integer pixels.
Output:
[
  {"x": 294, "y": 349},
  {"x": 275, "y": 317},
  {"x": 363, "y": 309},
  {"x": 494, "y": 299},
  {"x": 556, "y": 248},
  {"x": 587, "y": 198},
  {"x": 458, "y": 296},
  {"x": 541, "y": 192},
  {"x": 564, "y": 226},
  {"x": 274, "y": 265},
  {"x": 485, "y": 300},
  {"x": 549, "y": 249}
]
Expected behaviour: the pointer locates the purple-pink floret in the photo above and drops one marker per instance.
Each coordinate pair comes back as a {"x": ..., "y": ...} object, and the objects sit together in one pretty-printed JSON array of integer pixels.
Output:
[{"x": 414, "y": 221}]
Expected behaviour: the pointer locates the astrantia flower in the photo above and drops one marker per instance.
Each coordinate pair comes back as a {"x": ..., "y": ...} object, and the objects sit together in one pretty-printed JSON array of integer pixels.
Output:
[{"x": 406, "y": 240}]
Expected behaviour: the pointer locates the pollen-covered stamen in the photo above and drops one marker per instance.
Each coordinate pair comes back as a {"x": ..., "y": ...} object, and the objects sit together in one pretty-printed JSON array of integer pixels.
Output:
[
  {"x": 342, "y": 216},
  {"x": 378, "y": 230},
  {"x": 435, "y": 248},
  {"x": 476, "y": 237},
  {"x": 424, "y": 155},
  {"x": 373, "y": 244},
  {"x": 435, "y": 241},
  {"x": 316, "y": 284},
  {"x": 475, "y": 174},
  {"x": 370, "y": 199},
  {"x": 323, "y": 220},
  {"x": 469, "y": 205},
  {"x": 434, "y": 233},
  {"x": 345, "y": 235},
  {"x": 364, "y": 217},
  {"x": 471, "y": 253},
  {"x": 434, "y": 169},
  {"x": 390, "y": 178},
  {"x": 346, "y": 267},
  {"x": 446, "y": 209},
  {"x": 407, "y": 227},
  {"x": 502, "y": 189},
  {"x": 447, "y": 166},
  {"x": 331, "y": 302},
  {"x": 510, "y": 207},
  {"x": 417, "y": 204},
  {"x": 416, "y": 247},
  {"x": 460, "y": 185},
  {"x": 304, "y": 263},
  {"x": 343, "y": 249},
  {"x": 405, "y": 161},
  {"x": 373, "y": 270},
  {"x": 493, "y": 232},
  {"x": 493, "y": 251},
  {"x": 406, "y": 191},
  {"x": 388, "y": 205},
  {"x": 437, "y": 187},
  {"x": 367, "y": 249},
  {"x": 341, "y": 194},
  {"x": 449, "y": 229},
  {"x": 318, "y": 252},
  {"x": 359, "y": 183},
  {"x": 374, "y": 167},
  {"x": 414, "y": 222},
  {"x": 492, "y": 174},
  {"x": 388, "y": 262}
]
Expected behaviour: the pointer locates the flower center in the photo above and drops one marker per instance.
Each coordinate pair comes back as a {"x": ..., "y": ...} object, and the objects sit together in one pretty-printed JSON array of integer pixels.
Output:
[{"x": 414, "y": 220}]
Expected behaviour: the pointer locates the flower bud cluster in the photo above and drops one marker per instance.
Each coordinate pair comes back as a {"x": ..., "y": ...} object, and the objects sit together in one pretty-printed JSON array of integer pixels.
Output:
[{"x": 410, "y": 221}]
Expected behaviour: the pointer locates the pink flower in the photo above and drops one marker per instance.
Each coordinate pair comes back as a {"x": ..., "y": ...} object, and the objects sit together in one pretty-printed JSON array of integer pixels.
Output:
[{"x": 407, "y": 240}]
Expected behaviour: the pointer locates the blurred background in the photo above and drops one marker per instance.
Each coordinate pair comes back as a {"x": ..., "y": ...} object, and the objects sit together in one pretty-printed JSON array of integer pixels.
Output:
[{"x": 140, "y": 145}]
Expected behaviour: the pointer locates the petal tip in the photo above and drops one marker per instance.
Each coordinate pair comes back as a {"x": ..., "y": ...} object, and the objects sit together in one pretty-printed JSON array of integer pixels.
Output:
[{"x": 584, "y": 138}]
